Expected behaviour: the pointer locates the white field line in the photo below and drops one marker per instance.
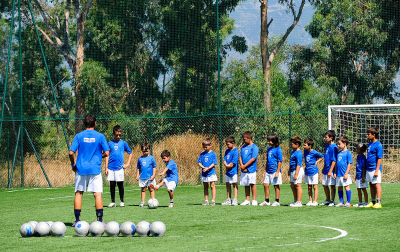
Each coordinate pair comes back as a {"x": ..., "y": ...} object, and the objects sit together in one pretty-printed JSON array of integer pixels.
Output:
[{"x": 88, "y": 193}]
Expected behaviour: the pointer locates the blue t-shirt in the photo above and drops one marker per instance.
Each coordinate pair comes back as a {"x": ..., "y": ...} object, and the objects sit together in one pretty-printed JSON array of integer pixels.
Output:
[
  {"x": 231, "y": 156},
  {"x": 90, "y": 145},
  {"x": 117, "y": 151},
  {"x": 296, "y": 159},
  {"x": 375, "y": 151},
  {"x": 207, "y": 159},
  {"x": 343, "y": 159},
  {"x": 172, "y": 173},
  {"x": 331, "y": 152},
  {"x": 248, "y": 152},
  {"x": 361, "y": 164},
  {"x": 145, "y": 166},
  {"x": 274, "y": 156},
  {"x": 310, "y": 158}
]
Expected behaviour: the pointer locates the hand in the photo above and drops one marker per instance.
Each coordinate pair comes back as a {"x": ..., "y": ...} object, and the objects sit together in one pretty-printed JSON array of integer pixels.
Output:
[
  {"x": 125, "y": 166},
  {"x": 288, "y": 173},
  {"x": 346, "y": 176},
  {"x": 334, "y": 176},
  {"x": 295, "y": 177},
  {"x": 152, "y": 177},
  {"x": 161, "y": 174},
  {"x": 137, "y": 177},
  {"x": 363, "y": 180},
  {"x": 244, "y": 170},
  {"x": 73, "y": 167},
  {"x": 376, "y": 173},
  {"x": 276, "y": 174},
  {"x": 204, "y": 169},
  {"x": 330, "y": 174},
  {"x": 106, "y": 172}
]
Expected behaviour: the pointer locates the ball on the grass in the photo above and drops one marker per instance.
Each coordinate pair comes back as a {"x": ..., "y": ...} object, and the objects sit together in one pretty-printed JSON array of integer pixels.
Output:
[
  {"x": 50, "y": 223},
  {"x": 42, "y": 229},
  {"x": 58, "y": 229},
  {"x": 128, "y": 229},
  {"x": 26, "y": 230},
  {"x": 33, "y": 225},
  {"x": 157, "y": 228},
  {"x": 82, "y": 228},
  {"x": 112, "y": 229},
  {"x": 143, "y": 229},
  {"x": 152, "y": 203},
  {"x": 96, "y": 229}
]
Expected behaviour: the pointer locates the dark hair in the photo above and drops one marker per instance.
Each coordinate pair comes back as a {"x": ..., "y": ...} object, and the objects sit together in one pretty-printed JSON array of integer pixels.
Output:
[
  {"x": 90, "y": 121},
  {"x": 206, "y": 141},
  {"x": 145, "y": 146},
  {"x": 274, "y": 139},
  {"x": 117, "y": 128},
  {"x": 230, "y": 139},
  {"x": 373, "y": 131},
  {"x": 331, "y": 133},
  {"x": 344, "y": 139},
  {"x": 247, "y": 134},
  {"x": 165, "y": 153},
  {"x": 362, "y": 147},
  {"x": 296, "y": 140},
  {"x": 309, "y": 142}
]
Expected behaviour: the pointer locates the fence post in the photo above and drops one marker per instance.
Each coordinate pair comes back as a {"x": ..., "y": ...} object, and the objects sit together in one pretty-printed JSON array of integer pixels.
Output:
[
  {"x": 21, "y": 93},
  {"x": 290, "y": 129},
  {"x": 8, "y": 156}
]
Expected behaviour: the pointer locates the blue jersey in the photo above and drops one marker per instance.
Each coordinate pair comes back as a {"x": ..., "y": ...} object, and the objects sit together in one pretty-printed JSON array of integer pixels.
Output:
[
  {"x": 172, "y": 173},
  {"x": 145, "y": 166},
  {"x": 361, "y": 165},
  {"x": 231, "y": 156},
  {"x": 343, "y": 159},
  {"x": 375, "y": 152},
  {"x": 90, "y": 145},
  {"x": 310, "y": 159},
  {"x": 296, "y": 159},
  {"x": 274, "y": 156},
  {"x": 331, "y": 152},
  {"x": 207, "y": 159},
  {"x": 117, "y": 151},
  {"x": 248, "y": 152}
]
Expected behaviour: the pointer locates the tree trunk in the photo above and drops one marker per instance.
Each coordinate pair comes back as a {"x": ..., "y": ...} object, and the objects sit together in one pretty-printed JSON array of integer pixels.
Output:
[
  {"x": 266, "y": 64},
  {"x": 79, "y": 102},
  {"x": 182, "y": 87}
]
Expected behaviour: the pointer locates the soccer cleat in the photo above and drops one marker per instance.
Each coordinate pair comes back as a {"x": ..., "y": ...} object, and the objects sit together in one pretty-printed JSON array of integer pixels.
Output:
[
  {"x": 377, "y": 205},
  {"x": 121, "y": 204},
  {"x": 171, "y": 204},
  {"x": 227, "y": 202},
  {"x": 142, "y": 204},
  {"x": 369, "y": 205},
  {"x": 347, "y": 205},
  {"x": 276, "y": 203},
  {"x": 291, "y": 204},
  {"x": 340, "y": 204},
  {"x": 112, "y": 204},
  {"x": 73, "y": 225},
  {"x": 205, "y": 203},
  {"x": 234, "y": 202},
  {"x": 325, "y": 203},
  {"x": 212, "y": 203},
  {"x": 254, "y": 203},
  {"x": 297, "y": 204},
  {"x": 332, "y": 203},
  {"x": 245, "y": 203},
  {"x": 314, "y": 203},
  {"x": 359, "y": 204},
  {"x": 265, "y": 204},
  {"x": 309, "y": 203}
]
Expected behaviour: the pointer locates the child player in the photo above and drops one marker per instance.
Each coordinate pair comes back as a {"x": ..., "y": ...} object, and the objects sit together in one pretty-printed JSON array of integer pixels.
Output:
[
  {"x": 374, "y": 167},
  {"x": 231, "y": 175},
  {"x": 361, "y": 184},
  {"x": 296, "y": 171},
  {"x": 171, "y": 180},
  {"x": 312, "y": 158},
  {"x": 331, "y": 151},
  {"x": 342, "y": 175},
  {"x": 273, "y": 173},
  {"x": 207, "y": 161},
  {"x": 146, "y": 171},
  {"x": 115, "y": 165},
  {"x": 248, "y": 165},
  {"x": 90, "y": 145}
]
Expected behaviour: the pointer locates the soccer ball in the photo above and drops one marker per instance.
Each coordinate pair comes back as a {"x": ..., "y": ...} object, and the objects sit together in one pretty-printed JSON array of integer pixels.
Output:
[
  {"x": 152, "y": 203},
  {"x": 157, "y": 228},
  {"x": 42, "y": 229},
  {"x": 112, "y": 229},
  {"x": 128, "y": 229},
  {"x": 58, "y": 229},
  {"x": 96, "y": 229},
  {"x": 26, "y": 230},
  {"x": 50, "y": 223},
  {"x": 143, "y": 229},
  {"x": 82, "y": 228},
  {"x": 33, "y": 225}
]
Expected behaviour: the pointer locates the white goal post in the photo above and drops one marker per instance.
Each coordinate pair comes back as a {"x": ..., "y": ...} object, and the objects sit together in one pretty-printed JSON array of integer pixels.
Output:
[{"x": 353, "y": 121}]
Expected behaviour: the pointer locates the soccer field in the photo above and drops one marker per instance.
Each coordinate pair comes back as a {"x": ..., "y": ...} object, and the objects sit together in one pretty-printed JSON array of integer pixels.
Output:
[{"x": 193, "y": 227}]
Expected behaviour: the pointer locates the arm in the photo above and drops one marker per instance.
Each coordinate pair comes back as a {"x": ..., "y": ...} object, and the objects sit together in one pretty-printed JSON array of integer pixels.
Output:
[
  {"x": 129, "y": 161},
  {"x": 278, "y": 169},
  {"x": 154, "y": 173},
  {"x": 332, "y": 169},
  {"x": 296, "y": 173},
  {"x": 163, "y": 172},
  {"x": 72, "y": 160},
  {"x": 378, "y": 165},
  {"x": 319, "y": 160},
  {"x": 346, "y": 175},
  {"x": 107, "y": 158},
  {"x": 138, "y": 174},
  {"x": 251, "y": 161},
  {"x": 363, "y": 173}
]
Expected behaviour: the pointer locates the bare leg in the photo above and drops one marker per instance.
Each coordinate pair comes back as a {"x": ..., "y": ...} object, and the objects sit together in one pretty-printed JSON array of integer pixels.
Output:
[
  {"x": 365, "y": 195},
  {"x": 327, "y": 193},
  {"x": 253, "y": 191},
  {"x": 144, "y": 189},
  {"x": 294, "y": 191},
  {"x": 152, "y": 193},
  {"x": 228, "y": 190},
  {"x": 266, "y": 191},
  {"x": 333, "y": 192},
  {"x": 247, "y": 192},
  {"x": 373, "y": 191},
  {"x": 309, "y": 192},
  {"x": 378, "y": 191},
  {"x": 205, "y": 190},
  {"x": 213, "y": 190},
  {"x": 78, "y": 200},
  {"x": 277, "y": 191},
  {"x": 299, "y": 192},
  {"x": 98, "y": 200},
  {"x": 171, "y": 194},
  {"x": 316, "y": 193},
  {"x": 235, "y": 190},
  {"x": 359, "y": 194}
]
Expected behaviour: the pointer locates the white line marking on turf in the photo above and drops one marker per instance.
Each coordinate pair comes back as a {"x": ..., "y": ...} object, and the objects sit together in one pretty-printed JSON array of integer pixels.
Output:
[
  {"x": 72, "y": 196},
  {"x": 31, "y": 189}
]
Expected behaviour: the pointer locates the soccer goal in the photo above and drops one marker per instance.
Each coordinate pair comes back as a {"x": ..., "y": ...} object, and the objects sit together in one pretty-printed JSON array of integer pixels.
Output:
[{"x": 353, "y": 121}]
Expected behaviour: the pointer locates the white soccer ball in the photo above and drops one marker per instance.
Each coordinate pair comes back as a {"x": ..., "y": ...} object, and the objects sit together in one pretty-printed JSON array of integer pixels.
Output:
[
  {"x": 26, "y": 230},
  {"x": 33, "y": 225},
  {"x": 152, "y": 203},
  {"x": 143, "y": 229},
  {"x": 50, "y": 223},
  {"x": 128, "y": 229},
  {"x": 82, "y": 228},
  {"x": 112, "y": 229},
  {"x": 42, "y": 229},
  {"x": 96, "y": 229},
  {"x": 58, "y": 229},
  {"x": 157, "y": 228}
]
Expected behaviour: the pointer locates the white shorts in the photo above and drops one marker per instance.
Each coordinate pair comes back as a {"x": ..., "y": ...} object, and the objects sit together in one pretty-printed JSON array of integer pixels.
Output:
[
  {"x": 146, "y": 182},
  {"x": 340, "y": 181},
  {"x": 231, "y": 180},
  {"x": 299, "y": 176},
  {"x": 328, "y": 181},
  {"x": 115, "y": 175},
  {"x": 170, "y": 185},
  {"x": 212, "y": 178},
  {"x": 94, "y": 183},
  {"x": 311, "y": 179},
  {"x": 270, "y": 179},
  {"x": 369, "y": 177},
  {"x": 359, "y": 184},
  {"x": 248, "y": 179}
]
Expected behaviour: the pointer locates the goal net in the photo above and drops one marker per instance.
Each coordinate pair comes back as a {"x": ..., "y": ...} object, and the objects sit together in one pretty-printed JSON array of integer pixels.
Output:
[{"x": 353, "y": 121}]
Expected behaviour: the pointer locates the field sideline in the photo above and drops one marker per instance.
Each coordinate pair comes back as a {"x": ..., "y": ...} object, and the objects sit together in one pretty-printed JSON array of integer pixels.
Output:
[{"x": 193, "y": 227}]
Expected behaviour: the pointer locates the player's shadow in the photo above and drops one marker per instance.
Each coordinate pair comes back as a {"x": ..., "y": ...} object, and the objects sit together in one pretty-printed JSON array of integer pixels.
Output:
[
  {"x": 68, "y": 224},
  {"x": 200, "y": 204}
]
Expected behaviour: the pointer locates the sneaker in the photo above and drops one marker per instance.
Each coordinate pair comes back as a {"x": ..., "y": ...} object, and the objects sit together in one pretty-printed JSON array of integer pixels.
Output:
[
  {"x": 142, "y": 204},
  {"x": 112, "y": 204},
  {"x": 227, "y": 202},
  {"x": 265, "y": 203},
  {"x": 377, "y": 205},
  {"x": 362, "y": 204},
  {"x": 276, "y": 203},
  {"x": 347, "y": 204},
  {"x": 171, "y": 204},
  {"x": 73, "y": 225},
  {"x": 309, "y": 203},
  {"x": 254, "y": 203},
  {"x": 121, "y": 204},
  {"x": 212, "y": 203},
  {"x": 297, "y": 204},
  {"x": 206, "y": 203},
  {"x": 359, "y": 204},
  {"x": 292, "y": 204},
  {"x": 245, "y": 203},
  {"x": 325, "y": 203},
  {"x": 340, "y": 204},
  {"x": 234, "y": 202},
  {"x": 314, "y": 203},
  {"x": 369, "y": 205},
  {"x": 332, "y": 203}
]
